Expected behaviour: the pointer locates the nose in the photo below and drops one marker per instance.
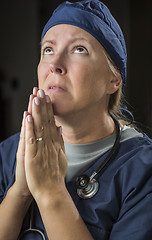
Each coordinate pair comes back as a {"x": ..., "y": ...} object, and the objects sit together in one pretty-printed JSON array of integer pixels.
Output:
[{"x": 57, "y": 67}]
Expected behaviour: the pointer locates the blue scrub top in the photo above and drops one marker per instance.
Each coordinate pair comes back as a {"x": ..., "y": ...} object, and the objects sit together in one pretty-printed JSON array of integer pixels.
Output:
[{"x": 122, "y": 208}]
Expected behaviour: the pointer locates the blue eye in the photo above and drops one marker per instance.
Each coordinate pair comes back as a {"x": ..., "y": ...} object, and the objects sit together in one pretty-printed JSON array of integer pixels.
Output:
[
  {"x": 48, "y": 51},
  {"x": 80, "y": 49}
]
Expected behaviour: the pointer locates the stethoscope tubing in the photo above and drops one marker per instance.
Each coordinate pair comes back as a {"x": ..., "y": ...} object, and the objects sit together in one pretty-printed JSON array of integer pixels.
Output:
[
  {"x": 112, "y": 151},
  {"x": 88, "y": 186},
  {"x": 31, "y": 228}
]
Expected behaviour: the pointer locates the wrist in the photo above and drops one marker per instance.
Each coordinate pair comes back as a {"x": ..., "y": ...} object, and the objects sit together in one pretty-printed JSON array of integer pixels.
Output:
[
  {"x": 52, "y": 199},
  {"x": 14, "y": 193}
]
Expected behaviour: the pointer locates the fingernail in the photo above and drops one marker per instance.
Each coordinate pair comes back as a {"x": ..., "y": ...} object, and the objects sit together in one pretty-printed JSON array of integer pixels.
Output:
[
  {"x": 34, "y": 90},
  {"x": 29, "y": 118},
  {"x": 30, "y": 97},
  {"x": 41, "y": 93},
  {"x": 37, "y": 101},
  {"x": 47, "y": 99},
  {"x": 24, "y": 114}
]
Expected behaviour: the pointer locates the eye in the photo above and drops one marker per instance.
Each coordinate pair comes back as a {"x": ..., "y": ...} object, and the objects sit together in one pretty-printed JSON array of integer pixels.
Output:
[
  {"x": 47, "y": 51},
  {"x": 80, "y": 49}
]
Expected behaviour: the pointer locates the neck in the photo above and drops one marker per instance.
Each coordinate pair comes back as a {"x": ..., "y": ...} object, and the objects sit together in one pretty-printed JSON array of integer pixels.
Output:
[{"x": 82, "y": 129}]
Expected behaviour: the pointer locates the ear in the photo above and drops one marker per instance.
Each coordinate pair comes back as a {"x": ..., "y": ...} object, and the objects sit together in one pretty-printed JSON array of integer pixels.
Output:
[{"x": 114, "y": 84}]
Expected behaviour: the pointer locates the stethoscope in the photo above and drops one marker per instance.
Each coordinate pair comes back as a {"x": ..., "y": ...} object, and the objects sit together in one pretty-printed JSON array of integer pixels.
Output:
[
  {"x": 86, "y": 186},
  {"x": 31, "y": 228}
]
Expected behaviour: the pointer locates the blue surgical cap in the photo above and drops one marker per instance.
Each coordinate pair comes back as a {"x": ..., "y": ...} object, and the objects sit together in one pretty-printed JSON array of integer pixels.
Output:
[{"x": 95, "y": 18}]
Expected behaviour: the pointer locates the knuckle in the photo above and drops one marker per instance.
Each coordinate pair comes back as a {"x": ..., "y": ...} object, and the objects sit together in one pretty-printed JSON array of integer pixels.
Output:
[
  {"x": 40, "y": 129},
  {"x": 31, "y": 140}
]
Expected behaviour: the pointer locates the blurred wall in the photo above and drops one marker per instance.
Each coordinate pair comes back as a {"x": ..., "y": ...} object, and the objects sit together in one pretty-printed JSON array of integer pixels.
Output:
[
  {"x": 18, "y": 60},
  {"x": 140, "y": 79},
  {"x": 21, "y": 23}
]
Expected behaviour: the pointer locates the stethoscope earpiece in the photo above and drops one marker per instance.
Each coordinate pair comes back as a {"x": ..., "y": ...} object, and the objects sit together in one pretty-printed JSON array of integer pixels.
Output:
[{"x": 86, "y": 187}]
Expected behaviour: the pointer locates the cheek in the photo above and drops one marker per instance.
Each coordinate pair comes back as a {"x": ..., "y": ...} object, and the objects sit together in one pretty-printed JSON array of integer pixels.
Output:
[
  {"x": 42, "y": 72},
  {"x": 82, "y": 72},
  {"x": 82, "y": 80},
  {"x": 88, "y": 76}
]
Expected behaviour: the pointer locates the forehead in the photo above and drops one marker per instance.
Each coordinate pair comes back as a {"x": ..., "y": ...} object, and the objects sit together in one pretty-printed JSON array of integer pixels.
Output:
[{"x": 68, "y": 32}]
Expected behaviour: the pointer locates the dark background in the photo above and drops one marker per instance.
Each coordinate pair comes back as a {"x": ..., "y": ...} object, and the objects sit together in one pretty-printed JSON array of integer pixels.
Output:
[{"x": 21, "y": 23}]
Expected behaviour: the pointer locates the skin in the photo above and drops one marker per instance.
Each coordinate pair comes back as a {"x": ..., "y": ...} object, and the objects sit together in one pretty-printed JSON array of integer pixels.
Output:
[
  {"x": 98, "y": 82},
  {"x": 76, "y": 66}
]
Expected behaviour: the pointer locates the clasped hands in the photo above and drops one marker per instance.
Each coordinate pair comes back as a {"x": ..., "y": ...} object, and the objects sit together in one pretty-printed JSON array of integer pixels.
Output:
[{"x": 41, "y": 165}]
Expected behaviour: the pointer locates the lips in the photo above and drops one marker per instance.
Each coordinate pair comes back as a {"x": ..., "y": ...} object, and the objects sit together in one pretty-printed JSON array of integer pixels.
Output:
[{"x": 56, "y": 88}]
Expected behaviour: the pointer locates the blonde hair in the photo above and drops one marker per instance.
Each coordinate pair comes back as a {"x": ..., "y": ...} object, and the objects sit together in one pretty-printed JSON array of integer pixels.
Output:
[{"x": 117, "y": 98}]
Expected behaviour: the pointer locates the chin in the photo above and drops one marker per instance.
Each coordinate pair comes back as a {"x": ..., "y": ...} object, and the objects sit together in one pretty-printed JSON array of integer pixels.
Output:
[
  {"x": 59, "y": 110},
  {"x": 56, "y": 111},
  {"x": 61, "y": 106}
]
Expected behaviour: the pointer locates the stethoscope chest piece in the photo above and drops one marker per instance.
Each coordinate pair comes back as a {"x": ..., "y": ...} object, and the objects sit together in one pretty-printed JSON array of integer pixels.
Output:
[{"x": 86, "y": 187}]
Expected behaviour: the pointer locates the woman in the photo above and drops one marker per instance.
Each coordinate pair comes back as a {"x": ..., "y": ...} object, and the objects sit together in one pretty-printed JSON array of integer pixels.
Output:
[{"x": 69, "y": 128}]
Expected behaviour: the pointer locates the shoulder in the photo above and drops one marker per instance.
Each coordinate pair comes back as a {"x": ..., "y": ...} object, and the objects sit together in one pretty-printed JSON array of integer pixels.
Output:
[
  {"x": 133, "y": 182},
  {"x": 134, "y": 168},
  {"x": 136, "y": 150},
  {"x": 9, "y": 147},
  {"x": 137, "y": 142},
  {"x": 130, "y": 170},
  {"x": 11, "y": 141},
  {"x": 131, "y": 155},
  {"x": 135, "y": 156}
]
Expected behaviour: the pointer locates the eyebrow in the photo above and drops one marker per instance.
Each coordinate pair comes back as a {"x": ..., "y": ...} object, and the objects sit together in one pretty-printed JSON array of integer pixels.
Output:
[
  {"x": 79, "y": 38},
  {"x": 53, "y": 42},
  {"x": 47, "y": 41}
]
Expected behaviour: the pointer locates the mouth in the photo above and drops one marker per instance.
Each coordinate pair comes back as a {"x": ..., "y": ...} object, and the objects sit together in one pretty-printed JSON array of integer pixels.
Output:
[{"x": 56, "y": 89}]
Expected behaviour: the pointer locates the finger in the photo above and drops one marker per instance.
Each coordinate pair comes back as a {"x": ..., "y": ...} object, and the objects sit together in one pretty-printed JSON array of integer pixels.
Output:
[
  {"x": 35, "y": 90},
  {"x": 44, "y": 118},
  {"x": 37, "y": 117},
  {"x": 20, "y": 178},
  {"x": 44, "y": 123},
  {"x": 21, "y": 146},
  {"x": 49, "y": 109},
  {"x": 30, "y": 103},
  {"x": 30, "y": 139}
]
